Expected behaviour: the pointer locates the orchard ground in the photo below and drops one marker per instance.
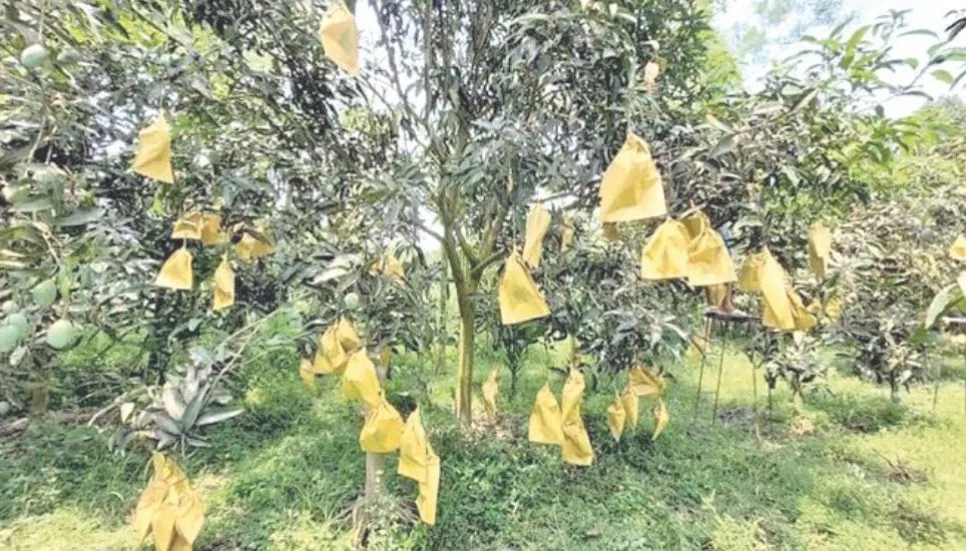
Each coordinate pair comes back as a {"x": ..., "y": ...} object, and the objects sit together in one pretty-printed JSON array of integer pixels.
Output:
[{"x": 849, "y": 470}]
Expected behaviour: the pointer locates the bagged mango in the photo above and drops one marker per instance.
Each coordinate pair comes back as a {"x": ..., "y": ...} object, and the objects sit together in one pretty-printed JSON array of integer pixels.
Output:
[
  {"x": 819, "y": 249},
  {"x": 958, "y": 249},
  {"x": 330, "y": 357},
  {"x": 520, "y": 298},
  {"x": 538, "y": 222},
  {"x": 696, "y": 223},
  {"x": 307, "y": 374},
  {"x": 644, "y": 383},
  {"x": 546, "y": 422},
  {"x": 490, "y": 390},
  {"x": 576, "y": 448},
  {"x": 414, "y": 450},
  {"x": 631, "y": 404},
  {"x": 665, "y": 255},
  {"x": 211, "y": 231},
  {"x": 169, "y": 509},
  {"x": 347, "y": 335},
  {"x": 391, "y": 266},
  {"x": 188, "y": 226},
  {"x": 777, "y": 306},
  {"x": 708, "y": 260},
  {"x": 383, "y": 430},
  {"x": 616, "y": 415},
  {"x": 360, "y": 380},
  {"x": 749, "y": 278},
  {"x": 252, "y": 246},
  {"x": 176, "y": 271},
  {"x": 224, "y": 286},
  {"x": 153, "y": 157},
  {"x": 340, "y": 37},
  {"x": 717, "y": 294},
  {"x": 631, "y": 188},
  {"x": 429, "y": 492}
]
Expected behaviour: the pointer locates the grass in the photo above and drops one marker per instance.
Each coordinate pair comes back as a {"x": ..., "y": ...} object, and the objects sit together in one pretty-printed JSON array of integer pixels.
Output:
[{"x": 851, "y": 470}]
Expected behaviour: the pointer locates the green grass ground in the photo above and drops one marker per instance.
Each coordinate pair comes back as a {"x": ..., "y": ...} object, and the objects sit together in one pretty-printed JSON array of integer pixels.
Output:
[{"x": 849, "y": 471}]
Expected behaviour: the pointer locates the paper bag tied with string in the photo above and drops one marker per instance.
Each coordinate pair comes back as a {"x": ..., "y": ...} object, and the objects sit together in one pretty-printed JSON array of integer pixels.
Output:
[
  {"x": 360, "y": 380},
  {"x": 665, "y": 256},
  {"x": 224, "y": 288},
  {"x": 708, "y": 260},
  {"x": 520, "y": 298},
  {"x": 176, "y": 272},
  {"x": 546, "y": 423},
  {"x": 153, "y": 157},
  {"x": 383, "y": 429},
  {"x": 340, "y": 37},
  {"x": 576, "y": 448},
  {"x": 819, "y": 249},
  {"x": 538, "y": 222},
  {"x": 631, "y": 188}
]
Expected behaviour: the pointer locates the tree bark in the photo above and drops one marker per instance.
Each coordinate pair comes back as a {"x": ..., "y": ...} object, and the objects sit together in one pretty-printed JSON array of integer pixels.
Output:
[{"x": 464, "y": 374}]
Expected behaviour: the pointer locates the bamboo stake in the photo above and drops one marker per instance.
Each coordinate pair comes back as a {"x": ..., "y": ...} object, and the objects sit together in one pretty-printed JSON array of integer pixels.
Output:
[{"x": 708, "y": 322}]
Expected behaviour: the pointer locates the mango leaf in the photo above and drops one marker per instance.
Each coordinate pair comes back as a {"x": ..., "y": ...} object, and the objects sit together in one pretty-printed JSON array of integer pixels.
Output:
[
  {"x": 80, "y": 218},
  {"x": 945, "y": 298}
]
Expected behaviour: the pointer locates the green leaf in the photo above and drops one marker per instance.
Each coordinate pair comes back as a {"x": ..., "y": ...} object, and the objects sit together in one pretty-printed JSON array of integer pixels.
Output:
[
  {"x": 20, "y": 321},
  {"x": 34, "y": 205},
  {"x": 45, "y": 293},
  {"x": 62, "y": 334},
  {"x": 943, "y": 300},
  {"x": 218, "y": 415},
  {"x": 943, "y": 76},
  {"x": 80, "y": 218}
]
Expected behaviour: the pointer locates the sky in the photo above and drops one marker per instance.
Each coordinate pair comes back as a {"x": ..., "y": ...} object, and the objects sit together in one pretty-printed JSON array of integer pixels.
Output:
[{"x": 925, "y": 14}]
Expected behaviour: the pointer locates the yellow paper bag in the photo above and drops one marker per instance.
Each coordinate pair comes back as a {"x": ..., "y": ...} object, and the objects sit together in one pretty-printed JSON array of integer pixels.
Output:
[
  {"x": 610, "y": 231},
  {"x": 176, "y": 271},
  {"x": 429, "y": 492},
  {"x": 696, "y": 223},
  {"x": 631, "y": 188},
  {"x": 749, "y": 277},
  {"x": 360, "y": 380},
  {"x": 631, "y": 404},
  {"x": 348, "y": 337},
  {"x": 390, "y": 266},
  {"x": 414, "y": 450},
  {"x": 211, "y": 232},
  {"x": 250, "y": 247},
  {"x": 340, "y": 37},
  {"x": 169, "y": 509},
  {"x": 958, "y": 249},
  {"x": 546, "y": 422},
  {"x": 224, "y": 286},
  {"x": 330, "y": 356},
  {"x": 708, "y": 260},
  {"x": 665, "y": 255},
  {"x": 520, "y": 298},
  {"x": 538, "y": 222},
  {"x": 490, "y": 390},
  {"x": 616, "y": 417},
  {"x": 717, "y": 294},
  {"x": 567, "y": 235},
  {"x": 661, "y": 418},
  {"x": 153, "y": 157},
  {"x": 644, "y": 383},
  {"x": 819, "y": 249},
  {"x": 803, "y": 320},
  {"x": 777, "y": 306},
  {"x": 576, "y": 448},
  {"x": 307, "y": 374},
  {"x": 188, "y": 226},
  {"x": 383, "y": 430}
]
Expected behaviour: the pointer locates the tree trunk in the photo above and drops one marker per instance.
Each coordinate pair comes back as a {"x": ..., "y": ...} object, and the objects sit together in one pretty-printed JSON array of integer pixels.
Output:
[
  {"x": 464, "y": 396},
  {"x": 375, "y": 461}
]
